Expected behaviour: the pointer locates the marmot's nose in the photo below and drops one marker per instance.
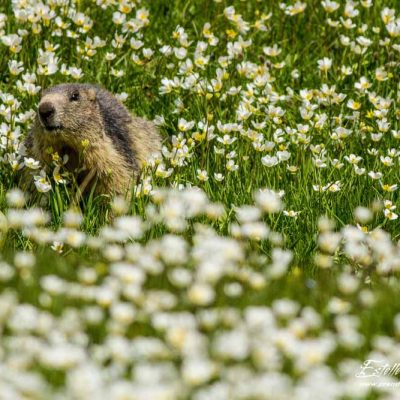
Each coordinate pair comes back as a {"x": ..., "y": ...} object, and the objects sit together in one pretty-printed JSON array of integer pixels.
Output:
[{"x": 46, "y": 110}]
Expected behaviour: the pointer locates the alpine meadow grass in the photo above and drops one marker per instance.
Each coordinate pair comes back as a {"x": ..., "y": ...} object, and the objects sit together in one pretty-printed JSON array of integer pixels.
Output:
[{"x": 257, "y": 257}]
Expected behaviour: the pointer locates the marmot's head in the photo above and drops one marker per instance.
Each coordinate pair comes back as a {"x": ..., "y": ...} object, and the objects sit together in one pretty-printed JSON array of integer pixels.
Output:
[
  {"x": 70, "y": 113},
  {"x": 68, "y": 108}
]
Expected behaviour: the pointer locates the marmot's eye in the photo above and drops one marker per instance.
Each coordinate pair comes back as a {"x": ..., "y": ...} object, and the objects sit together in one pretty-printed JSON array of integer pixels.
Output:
[{"x": 74, "y": 96}]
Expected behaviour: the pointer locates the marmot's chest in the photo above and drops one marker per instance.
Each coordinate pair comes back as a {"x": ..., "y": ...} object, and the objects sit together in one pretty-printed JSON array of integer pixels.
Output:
[
  {"x": 75, "y": 161},
  {"x": 72, "y": 159}
]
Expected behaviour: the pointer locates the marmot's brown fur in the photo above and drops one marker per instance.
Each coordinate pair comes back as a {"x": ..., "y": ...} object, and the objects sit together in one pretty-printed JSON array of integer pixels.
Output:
[{"x": 96, "y": 131}]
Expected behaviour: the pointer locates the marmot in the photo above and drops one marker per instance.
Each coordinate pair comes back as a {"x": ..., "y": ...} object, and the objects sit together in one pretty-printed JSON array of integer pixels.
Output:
[{"x": 96, "y": 131}]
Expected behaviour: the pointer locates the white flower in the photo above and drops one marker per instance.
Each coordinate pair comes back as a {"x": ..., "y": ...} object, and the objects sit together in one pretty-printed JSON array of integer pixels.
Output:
[
  {"x": 247, "y": 214},
  {"x": 24, "y": 260},
  {"x": 57, "y": 247},
  {"x": 16, "y": 67},
  {"x": 375, "y": 175},
  {"x": 233, "y": 345},
  {"x": 118, "y": 18},
  {"x": 132, "y": 226},
  {"x": 76, "y": 73},
  {"x": 72, "y": 218},
  {"x": 184, "y": 125},
  {"x": 42, "y": 183},
  {"x": 180, "y": 53},
  {"x": 201, "y": 294},
  {"x": 231, "y": 166},
  {"x": 53, "y": 284},
  {"x": 173, "y": 250},
  {"x": 15, "y": 198},
  {"x": 363, "y": 84},
  {"x": 123, "y": 313},
  {"x": 13, "y": 41},
  {"x": 330, "y": 6},
  {"x": 218, "y": 177},
  {"x": 122, "y": 97},
  {"x": 147, "y": 53},
  {"x": 62, "y": 356},
  {"x": 363, "y": 214},
  {"x": 269, "y": 161},
  {"x": 31, "y": 163},
  {"x": 291, "y": 213},
  {"x": 283, "y": 155},
  {"x": 197, "y": 370},
  {"x": 202, "y": 175},
  {"x": 255, "y": 230},
  {"x": 325, "y": 64},
  {"x": 268, "y": 201},
  {"x": 389, "y": 214}
]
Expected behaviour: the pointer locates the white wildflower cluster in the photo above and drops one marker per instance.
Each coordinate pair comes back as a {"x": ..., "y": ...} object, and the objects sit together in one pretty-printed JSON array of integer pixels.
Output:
[
  {"x": 256, "y": 257},
  {"x": 279, "y": 121},
  {"x": 156, "y": 317},
  {"x": 367, "y": 250}
]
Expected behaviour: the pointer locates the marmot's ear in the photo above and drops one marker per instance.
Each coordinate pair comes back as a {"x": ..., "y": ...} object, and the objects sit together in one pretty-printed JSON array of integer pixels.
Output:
[{"x": 92, "y": 94}]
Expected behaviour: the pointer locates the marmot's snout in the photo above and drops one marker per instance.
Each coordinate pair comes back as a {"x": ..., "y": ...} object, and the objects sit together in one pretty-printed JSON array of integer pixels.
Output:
[{"x": 46, "y": 114}]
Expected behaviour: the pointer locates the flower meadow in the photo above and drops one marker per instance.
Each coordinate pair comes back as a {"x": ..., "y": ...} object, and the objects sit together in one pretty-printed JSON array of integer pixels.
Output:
[{"x": 258, "y": 256}]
